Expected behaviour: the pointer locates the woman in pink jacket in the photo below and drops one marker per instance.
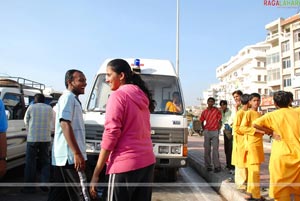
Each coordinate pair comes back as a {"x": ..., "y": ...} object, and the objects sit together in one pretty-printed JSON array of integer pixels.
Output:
[{"x": 126, "y": 145}]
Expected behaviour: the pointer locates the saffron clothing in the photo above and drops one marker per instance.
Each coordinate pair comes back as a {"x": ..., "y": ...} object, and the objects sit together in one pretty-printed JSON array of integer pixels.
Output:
[
  {"x": 284, "y": 165},
  {"x": 240, "y": 178},
  {"x": 253, "y": 183},
  {"x": 38, "y": 119},
  {"x": 253, "y": 140},
  {"x": 68, "y": 108},
  {"x": 238, "y": 152},
  {"x": 3, "y": 118},
  {"x": 127, "y": 131},
  {"x": 171, "y": 107},
  {"x": 254, "y": 152},
  {"x": 212, "y": 117}
]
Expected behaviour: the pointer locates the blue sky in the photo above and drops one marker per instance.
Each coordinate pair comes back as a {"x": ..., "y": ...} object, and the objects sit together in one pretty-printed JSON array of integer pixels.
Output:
[{"x": 41, "y": 40}]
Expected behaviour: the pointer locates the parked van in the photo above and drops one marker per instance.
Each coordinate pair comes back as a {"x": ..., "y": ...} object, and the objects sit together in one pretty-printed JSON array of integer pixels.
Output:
[
  {"x": 169, "y": 129},
  {"x": 17, "y": 94}
]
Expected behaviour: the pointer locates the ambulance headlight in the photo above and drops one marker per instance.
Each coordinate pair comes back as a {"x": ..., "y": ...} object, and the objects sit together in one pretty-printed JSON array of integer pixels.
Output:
[
  {"x": 175, "y": 150},
  {"x": 90, "y": 146},
  {"x": 163, "y": 149},
  {"x": 98, "y": 146}
]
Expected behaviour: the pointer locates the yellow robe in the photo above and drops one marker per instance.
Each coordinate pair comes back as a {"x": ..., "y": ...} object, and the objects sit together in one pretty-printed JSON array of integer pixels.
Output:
[
  {"x": 284, "y": 165},
  {"x": 171, "y": 107},
  {"x": 238, "y": 146},
  {"x": 253, "y": 140}
]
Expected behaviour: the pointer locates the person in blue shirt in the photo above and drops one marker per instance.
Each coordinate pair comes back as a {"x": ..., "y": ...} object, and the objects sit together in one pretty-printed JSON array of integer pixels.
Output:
[
  {"x": 69, "y": 150},
  {"x": 3, "y": 142}
]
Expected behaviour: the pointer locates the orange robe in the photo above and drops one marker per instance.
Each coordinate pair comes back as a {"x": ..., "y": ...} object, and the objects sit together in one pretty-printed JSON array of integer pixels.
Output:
[
  {"x": 284, "y": 166},
  {"x": 171, "y": 107},
  {"x": 238, "y": 150},
  {"x": 254, "y": 152},
  {"x": 238, "y": 147},
  {"x": 253, "y": 140}
]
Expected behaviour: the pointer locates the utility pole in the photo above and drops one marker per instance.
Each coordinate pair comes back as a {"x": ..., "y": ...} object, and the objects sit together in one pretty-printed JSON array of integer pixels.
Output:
[{"x": 177, "y": 40}]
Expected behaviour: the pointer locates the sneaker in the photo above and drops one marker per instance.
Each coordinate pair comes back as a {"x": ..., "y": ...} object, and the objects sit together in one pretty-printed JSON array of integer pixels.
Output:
[{"x": 218, "y": 169}]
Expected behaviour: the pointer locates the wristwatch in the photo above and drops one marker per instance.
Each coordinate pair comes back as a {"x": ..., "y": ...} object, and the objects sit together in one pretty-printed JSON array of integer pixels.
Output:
[{"x": 3, "y": 158}]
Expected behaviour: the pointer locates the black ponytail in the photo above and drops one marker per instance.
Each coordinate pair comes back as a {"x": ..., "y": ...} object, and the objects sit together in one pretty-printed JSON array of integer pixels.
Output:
[
  {"x": 137, "y": 80},
  {"x": 120, "y": 65}
]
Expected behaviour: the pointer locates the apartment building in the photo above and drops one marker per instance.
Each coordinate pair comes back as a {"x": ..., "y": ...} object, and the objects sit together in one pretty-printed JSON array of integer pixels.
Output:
[
  {"x": 265, "y": 67},
  {"x": 245, "y": 71},
  {"x": 283, "y": 58}
]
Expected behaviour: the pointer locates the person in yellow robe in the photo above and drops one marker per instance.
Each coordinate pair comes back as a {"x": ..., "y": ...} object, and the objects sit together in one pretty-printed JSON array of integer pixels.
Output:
[
  {"x": 240, "y": 176},
  {"x": 174, "y": 105},
  {"x": 284, "y": 165},
  {"x": 254, "y": 153}
]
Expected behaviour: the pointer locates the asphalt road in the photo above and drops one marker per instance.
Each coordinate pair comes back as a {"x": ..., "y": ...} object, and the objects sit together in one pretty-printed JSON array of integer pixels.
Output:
[{"x": 189, "y": 187}]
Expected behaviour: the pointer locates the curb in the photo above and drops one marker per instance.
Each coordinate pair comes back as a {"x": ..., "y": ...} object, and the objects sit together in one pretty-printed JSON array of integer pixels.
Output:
[{"x": 216, "y": 180}]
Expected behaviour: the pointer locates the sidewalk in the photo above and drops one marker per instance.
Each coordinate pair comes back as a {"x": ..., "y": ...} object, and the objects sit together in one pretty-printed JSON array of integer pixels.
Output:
[{"x": 219, "y": 181}]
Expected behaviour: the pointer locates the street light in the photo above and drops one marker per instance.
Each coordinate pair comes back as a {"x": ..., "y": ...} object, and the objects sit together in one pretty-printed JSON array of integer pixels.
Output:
[{"x": 177, "y": 40}]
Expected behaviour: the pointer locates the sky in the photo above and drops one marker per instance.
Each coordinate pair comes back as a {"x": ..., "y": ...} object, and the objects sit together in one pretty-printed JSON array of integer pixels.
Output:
[{"x": 41, "y": 40}]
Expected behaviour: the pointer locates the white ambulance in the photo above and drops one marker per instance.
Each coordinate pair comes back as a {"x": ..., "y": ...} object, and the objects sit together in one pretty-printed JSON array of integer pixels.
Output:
[{"x": 169, "y": 129}]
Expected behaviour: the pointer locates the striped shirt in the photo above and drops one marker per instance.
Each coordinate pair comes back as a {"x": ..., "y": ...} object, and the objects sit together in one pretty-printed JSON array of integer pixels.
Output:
[
  {"x": 212, "y": 117},
  {"x": 38, "y": 119}
]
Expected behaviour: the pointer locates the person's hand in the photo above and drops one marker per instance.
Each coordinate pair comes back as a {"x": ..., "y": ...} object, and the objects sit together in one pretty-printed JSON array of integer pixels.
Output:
[
  {"x": 79, "y": 162},
  {"x": 275, "y": 136},
  {"x": 237, "y": 105},
  {"x": 93, "y": 185}
]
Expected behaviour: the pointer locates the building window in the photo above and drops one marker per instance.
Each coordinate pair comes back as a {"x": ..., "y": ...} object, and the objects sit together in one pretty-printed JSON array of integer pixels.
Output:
[
  {"x": 287, "y": 81},
  {"x": 286, "y": 63},
  {"x": 259, "y": 90},
  {"x": 259, "y": 78},
  {"x": 274, "y": 74},
  {"x": 285, "y": 46},
  {"x": 266, "y": 91},
  {"x": 265, "y": 78},
  {"x": 297, "y": 55},
  {"x": 258, "y": 64},
  {"x": 297, "y": 35},
  {"x": 273, "y": 58}
]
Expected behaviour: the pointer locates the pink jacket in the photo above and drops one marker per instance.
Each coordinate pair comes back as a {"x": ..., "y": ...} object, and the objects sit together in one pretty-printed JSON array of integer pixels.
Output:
[{"x": 127, "y": 130}]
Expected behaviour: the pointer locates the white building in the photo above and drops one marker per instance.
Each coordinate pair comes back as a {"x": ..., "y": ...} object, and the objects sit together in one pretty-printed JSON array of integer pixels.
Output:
[
  {"x": 265, "y": 67},
  {"x": 283, "y": 58},
  {"x": 245, "y": 71}
]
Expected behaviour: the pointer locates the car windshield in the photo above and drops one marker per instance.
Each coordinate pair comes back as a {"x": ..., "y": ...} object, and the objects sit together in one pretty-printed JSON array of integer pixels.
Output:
[{"x": 165, "y": 91}]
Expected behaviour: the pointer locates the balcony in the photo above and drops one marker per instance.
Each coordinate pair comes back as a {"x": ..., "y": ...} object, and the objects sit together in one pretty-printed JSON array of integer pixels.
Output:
[
  {"x": 272, "y": 37},
  {"x": 296, "y": 25},
  {"x": 274, "y": 83}
]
